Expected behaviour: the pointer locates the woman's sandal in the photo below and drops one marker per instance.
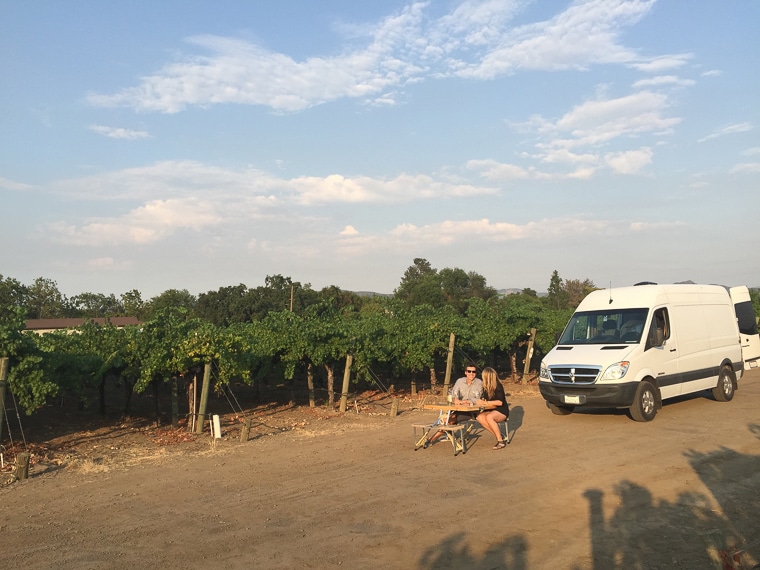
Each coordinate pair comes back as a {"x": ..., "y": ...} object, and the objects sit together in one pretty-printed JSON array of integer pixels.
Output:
[{"x": 500, "y": 445}]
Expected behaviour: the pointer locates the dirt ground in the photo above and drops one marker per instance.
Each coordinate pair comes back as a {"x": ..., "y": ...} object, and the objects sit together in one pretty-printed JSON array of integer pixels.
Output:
[{"x": 313, "y": 488}]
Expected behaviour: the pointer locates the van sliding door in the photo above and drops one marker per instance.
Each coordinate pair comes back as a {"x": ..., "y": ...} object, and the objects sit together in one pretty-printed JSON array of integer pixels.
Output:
[{"x": 745, "y": 316}]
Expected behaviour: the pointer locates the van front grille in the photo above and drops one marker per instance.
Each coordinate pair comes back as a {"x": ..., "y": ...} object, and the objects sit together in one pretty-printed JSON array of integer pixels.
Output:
[{"x": 574, "y": 375}]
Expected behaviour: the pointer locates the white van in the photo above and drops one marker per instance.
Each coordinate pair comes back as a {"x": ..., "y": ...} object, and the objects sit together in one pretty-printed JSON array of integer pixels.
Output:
[{"x": 633, "y": 347}]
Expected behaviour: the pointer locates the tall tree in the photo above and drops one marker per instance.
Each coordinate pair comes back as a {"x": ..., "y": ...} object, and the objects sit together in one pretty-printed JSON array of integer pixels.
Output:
[
  {"x": 576, "y": 290},
  {"x": 132, "y": 304},
  {"x": 556, "y": 298},
  {"x": 281, "y": 293},
  {"x": 170, "y": 299},
  {"x": 226, "y": 306},
  {"x": 12, "y": 294},
  {"x": 93, "y": 305},
  {"x": 420, "y": 285},
  {"x": 44, "y": 300}
]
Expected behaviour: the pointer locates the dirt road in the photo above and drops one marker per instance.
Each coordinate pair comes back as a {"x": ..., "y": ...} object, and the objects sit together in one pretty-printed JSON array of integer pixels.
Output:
[{"x": 590, "y": 490}]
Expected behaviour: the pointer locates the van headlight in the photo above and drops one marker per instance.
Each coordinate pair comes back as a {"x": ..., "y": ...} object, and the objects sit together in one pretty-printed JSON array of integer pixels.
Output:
[
  {"x": 616, "y": 371},
  {"x": 543, "y": 372}
]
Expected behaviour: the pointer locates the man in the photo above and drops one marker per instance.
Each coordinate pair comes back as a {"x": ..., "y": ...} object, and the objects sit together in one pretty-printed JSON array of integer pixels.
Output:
[{"x": 467, "y": 390}]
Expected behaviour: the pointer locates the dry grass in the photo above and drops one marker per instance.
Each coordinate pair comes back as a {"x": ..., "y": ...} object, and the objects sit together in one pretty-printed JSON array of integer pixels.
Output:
[{"x": 88, "y": 465}]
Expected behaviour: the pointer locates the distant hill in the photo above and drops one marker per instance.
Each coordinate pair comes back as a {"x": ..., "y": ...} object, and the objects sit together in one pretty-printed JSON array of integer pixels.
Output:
[
  {"x": 502, "y": 292},
  {"x": 513, "y": 291},
  {"x": 371, "y": 294}
]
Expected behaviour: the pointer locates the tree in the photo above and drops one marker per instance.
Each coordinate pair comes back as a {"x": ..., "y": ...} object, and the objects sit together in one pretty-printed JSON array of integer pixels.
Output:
[
  {"x": 556, "y": 297},
  {"x": 132, "y": 304},
  {"x": 93, "y": 305},
  {"x": 12, "y": 293},
  {"x": 170, "y": 299},
  {"x": 280, "y": 293},
  {"x": 424, "y": 285},
  {"x": 420, "y": 285},
  {"x": 226, "y": 306},
  {"x": 341, "y": 298},
  {"x": 576, "y": 290},
  {"x": 44, "y": 300}
]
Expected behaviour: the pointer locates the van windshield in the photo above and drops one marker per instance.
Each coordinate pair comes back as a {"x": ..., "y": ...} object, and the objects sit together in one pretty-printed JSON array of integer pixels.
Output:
[{"x": 614, "y": 326}]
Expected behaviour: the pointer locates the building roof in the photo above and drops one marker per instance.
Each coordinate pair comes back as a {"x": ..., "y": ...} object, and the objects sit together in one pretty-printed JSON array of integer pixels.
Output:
[{"x": 58, "y": 324}]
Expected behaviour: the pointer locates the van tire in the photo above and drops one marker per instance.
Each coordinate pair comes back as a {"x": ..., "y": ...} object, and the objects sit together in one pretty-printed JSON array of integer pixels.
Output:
[
  {"x": 724, "y": 391},
  {"x": 560, "y": 410},
  {"x": 644, "y": 407}
]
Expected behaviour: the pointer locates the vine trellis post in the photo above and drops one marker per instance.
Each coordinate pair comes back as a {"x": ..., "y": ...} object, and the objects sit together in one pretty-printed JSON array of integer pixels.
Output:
[
  {"x": 3, "y": 378},
  {"x": 449, "y": 363},
  {"x": 346, "y": 378},
  {"x": 204, "y": 398},
  {"x": 528, "y": 355}
]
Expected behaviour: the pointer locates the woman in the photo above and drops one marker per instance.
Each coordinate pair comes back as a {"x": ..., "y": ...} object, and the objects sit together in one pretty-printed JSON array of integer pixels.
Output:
[{"x": 493, "y": 395}]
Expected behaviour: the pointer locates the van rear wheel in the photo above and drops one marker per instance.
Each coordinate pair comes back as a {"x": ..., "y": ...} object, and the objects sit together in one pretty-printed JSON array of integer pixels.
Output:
[
  {"x": 724, "y": 391},
  {"x": 644, "y": 407}
]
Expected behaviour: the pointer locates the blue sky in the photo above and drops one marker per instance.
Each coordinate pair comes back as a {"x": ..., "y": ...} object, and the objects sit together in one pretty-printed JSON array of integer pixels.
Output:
[{"x": 195, "y": 145}]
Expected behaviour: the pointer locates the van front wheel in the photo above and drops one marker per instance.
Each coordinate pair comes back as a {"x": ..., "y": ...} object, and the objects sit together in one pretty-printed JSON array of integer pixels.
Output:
[
  {"x": 644, "y": 407},
  {"x": 724, "y": 391}
]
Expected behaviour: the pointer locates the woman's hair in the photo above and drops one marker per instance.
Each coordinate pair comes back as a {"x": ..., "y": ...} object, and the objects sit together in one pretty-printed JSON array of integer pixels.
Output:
[{"x": 490, "y": 378}]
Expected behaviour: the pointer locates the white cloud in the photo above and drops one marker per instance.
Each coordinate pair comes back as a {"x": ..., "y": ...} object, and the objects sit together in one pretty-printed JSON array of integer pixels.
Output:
[
  {"x": 583, "y": 35},
  {"x": 728, "y": 130},
  {"x": 119, "y": 133},
  {"x": 239, "y": 72},
  {"x": 249, "y": 191},
  {"x": 564, "y": 156},
  {"x": 403, "y": 188},
  {"x": 484, "y": 230},
  {"x": 349, "y": 231},
  {"x": 7, "y": 184},
  {"x": 474, "y": 40},
  {"x": 497, "y": 171},
  {"x": 629, "y": 162},
  {"x": 169, "y": 178},
  {"x": 143, "y": 225},
  {"x": 575, "y": 138},
  {"x": 500, "y": 172},
  {"x": 655, "y": 226},
  {"x": 746, "y": 168},
  {"x": 108, "y": 264},
  {"x": 599, "y": 121},
  {"x": 663, "y": 63},
  {"x": 661, "y": 80}
]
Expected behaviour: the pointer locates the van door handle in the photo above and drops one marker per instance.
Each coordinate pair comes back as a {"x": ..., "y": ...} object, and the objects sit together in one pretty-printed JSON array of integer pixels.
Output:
[{"x": 672, "y": 350}]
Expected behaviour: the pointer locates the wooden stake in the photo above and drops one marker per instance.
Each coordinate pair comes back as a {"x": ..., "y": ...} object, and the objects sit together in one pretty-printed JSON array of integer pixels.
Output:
[
  {"x": 3, "y": 378},
  {"x": 204, "y": 398},
  {"x": 346, "y": 378},
  {"x": 449, "y": 364},
  {"x": 528, "y": 355},
  {"x": 22, "y": 466},
  {"x": 245, "y": 431}
]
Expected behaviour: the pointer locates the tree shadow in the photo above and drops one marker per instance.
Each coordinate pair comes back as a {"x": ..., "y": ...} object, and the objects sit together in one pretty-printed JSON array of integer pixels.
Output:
[
  {"x": 734, "y": 482},
  {"x": 688, "y": 532},
  {"x": 648, "y": 533},
  {"x": 509, "y": 554}
]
